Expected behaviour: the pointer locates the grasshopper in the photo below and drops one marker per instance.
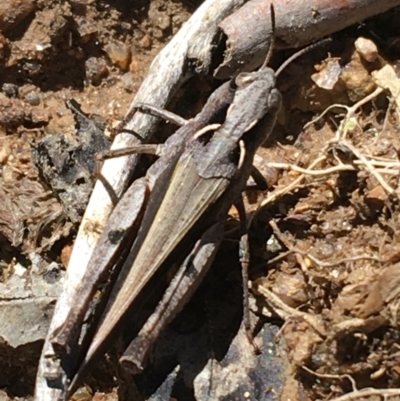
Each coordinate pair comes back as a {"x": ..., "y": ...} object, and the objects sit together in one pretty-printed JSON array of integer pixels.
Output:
[
  {"x": 175, "y": 213},
  {"x": 188, "y": 208},
  {"x": 124, "y": 224}
]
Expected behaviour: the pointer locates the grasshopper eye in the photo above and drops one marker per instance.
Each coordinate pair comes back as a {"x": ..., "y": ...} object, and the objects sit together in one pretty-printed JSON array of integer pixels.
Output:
[
  {"x": 275, "y": 99},
  {"x": 244, "y": 78}
]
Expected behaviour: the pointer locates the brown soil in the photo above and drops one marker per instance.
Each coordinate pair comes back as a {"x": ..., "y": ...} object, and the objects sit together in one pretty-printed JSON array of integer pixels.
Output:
[{"x": 325, "y": 235}]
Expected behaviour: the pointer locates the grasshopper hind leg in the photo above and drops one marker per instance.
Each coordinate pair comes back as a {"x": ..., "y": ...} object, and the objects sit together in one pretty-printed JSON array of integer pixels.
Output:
[
  {"x": 261, "y": 183},
  {"x": 244, "y": 255},
  {"x": 185, "y": 282}
]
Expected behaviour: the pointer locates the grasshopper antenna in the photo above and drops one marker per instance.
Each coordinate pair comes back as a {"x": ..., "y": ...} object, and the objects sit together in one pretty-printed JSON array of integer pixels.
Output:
[
  {"x": 301, "y": 53},
  {"x": 273, "y": 35},
  {"x": 232, "y": 84}
]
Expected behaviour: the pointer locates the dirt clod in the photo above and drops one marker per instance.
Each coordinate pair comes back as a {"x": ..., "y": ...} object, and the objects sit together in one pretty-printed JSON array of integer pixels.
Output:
[{"x": 14, "y": 11}]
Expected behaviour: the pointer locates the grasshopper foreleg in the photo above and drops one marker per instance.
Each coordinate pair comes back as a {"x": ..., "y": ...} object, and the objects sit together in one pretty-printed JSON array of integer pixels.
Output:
[
  {"x": 150, "y": 149},
  {"x": 161, "y": 113},
  {"x": 153, "y": 111}
]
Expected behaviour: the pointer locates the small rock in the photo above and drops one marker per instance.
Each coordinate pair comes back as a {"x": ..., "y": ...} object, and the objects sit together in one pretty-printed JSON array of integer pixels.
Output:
[
  {"x": 291, "y": 289},
  {"x": 357, "y": 79},
  {"x": 47, "y": 28},
  {"x": 376, "y": 194},
  {"x": 26, "y": 307},
  {"x": 5, "y": 152},
  {"x": 164, "y": 22},
  {"x": 367, "y": 49},
  {"x": 10, "y": 90},
  {"x": 86, "y": 28},
  {"x": 3, "y": 47},
  {"x": 328, "y": 75},
  {"x": 135, "y": 66},
  {"x": 32, "y": 68},
  {"x": 11, "y": 113},
  {"x": 12, "y": 12},
  {"x": 120, "y": 54},
  {"x": 158, "y": 33},
  {"x": 96, "y": 70},
  {"x": 129, "y": 83},
  {"x": 32, "y": 98},
  {"x": 145, "y": 42},
  {"x": 66, "y": 255}
]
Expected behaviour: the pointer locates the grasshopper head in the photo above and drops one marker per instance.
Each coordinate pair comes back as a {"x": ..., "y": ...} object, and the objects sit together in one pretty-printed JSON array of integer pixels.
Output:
[{"x": 263, "y": 83}]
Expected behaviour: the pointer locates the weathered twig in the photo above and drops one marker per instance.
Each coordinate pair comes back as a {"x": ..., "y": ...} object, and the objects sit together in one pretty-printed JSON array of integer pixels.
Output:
[
  {"x": 285, "y": 311},
  {"x": 297, "y": 24},
  {"x": 364, "y": 394}
]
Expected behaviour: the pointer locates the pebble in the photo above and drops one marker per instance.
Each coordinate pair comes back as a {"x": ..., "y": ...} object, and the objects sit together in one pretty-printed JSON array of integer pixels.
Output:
[
  {"x": 130, "y": 85},
  {"x": 164, "y": 22},
  {"x": 376, "y": 194},
  {"x": 158, "y": 33},
  {"x": 367, "y": 49},
  {"x": 135, "y": 66},
  {"x": 145, "y": 42},
  {"x": 10, "y": 90},
  {"x": 329, "y": 75},
  {"x": 12, "y": 12},
  {"x": 32, "y": 68},
  {"x": 120, "y": 54},
  {"x": 86, "y": 28},
  {"x": 5, "y": 152},
  {"x": 4, "y": 49},
  {"x": 32, "y": 98},
  {"x": 96, "y": 69}
]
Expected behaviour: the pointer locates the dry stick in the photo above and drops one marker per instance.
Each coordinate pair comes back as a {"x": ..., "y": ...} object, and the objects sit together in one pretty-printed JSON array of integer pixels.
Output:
[
  {"x": 380, "y": 162},
  {"x": 330, "y": 376},
  {"x": 378, "y": 159},
  {"x": 276, "y": 194},
  {"x": 285, "y": 311},
  {"x": 368, "y": 165},
  {"x": 392, "y": 105},
  {"x": 350, "y": 110},
  {"x": 330, "y": 170},
  {"x": 166, "y": 74},
  {"x": 285, "y": 242},
  {"x": 297, "y": 23},
  {"x": 321, "y": 263},
  {"x": 369, "y": 392},
  {"x": 340, "y": 167}
]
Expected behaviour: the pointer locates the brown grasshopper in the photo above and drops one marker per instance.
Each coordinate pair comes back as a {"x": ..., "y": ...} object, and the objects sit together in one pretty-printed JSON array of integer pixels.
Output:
[
  {"x": 175, "y": 213},
  {"x": 122, "y": 228},
  {"x": 187, "y": 211}
]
